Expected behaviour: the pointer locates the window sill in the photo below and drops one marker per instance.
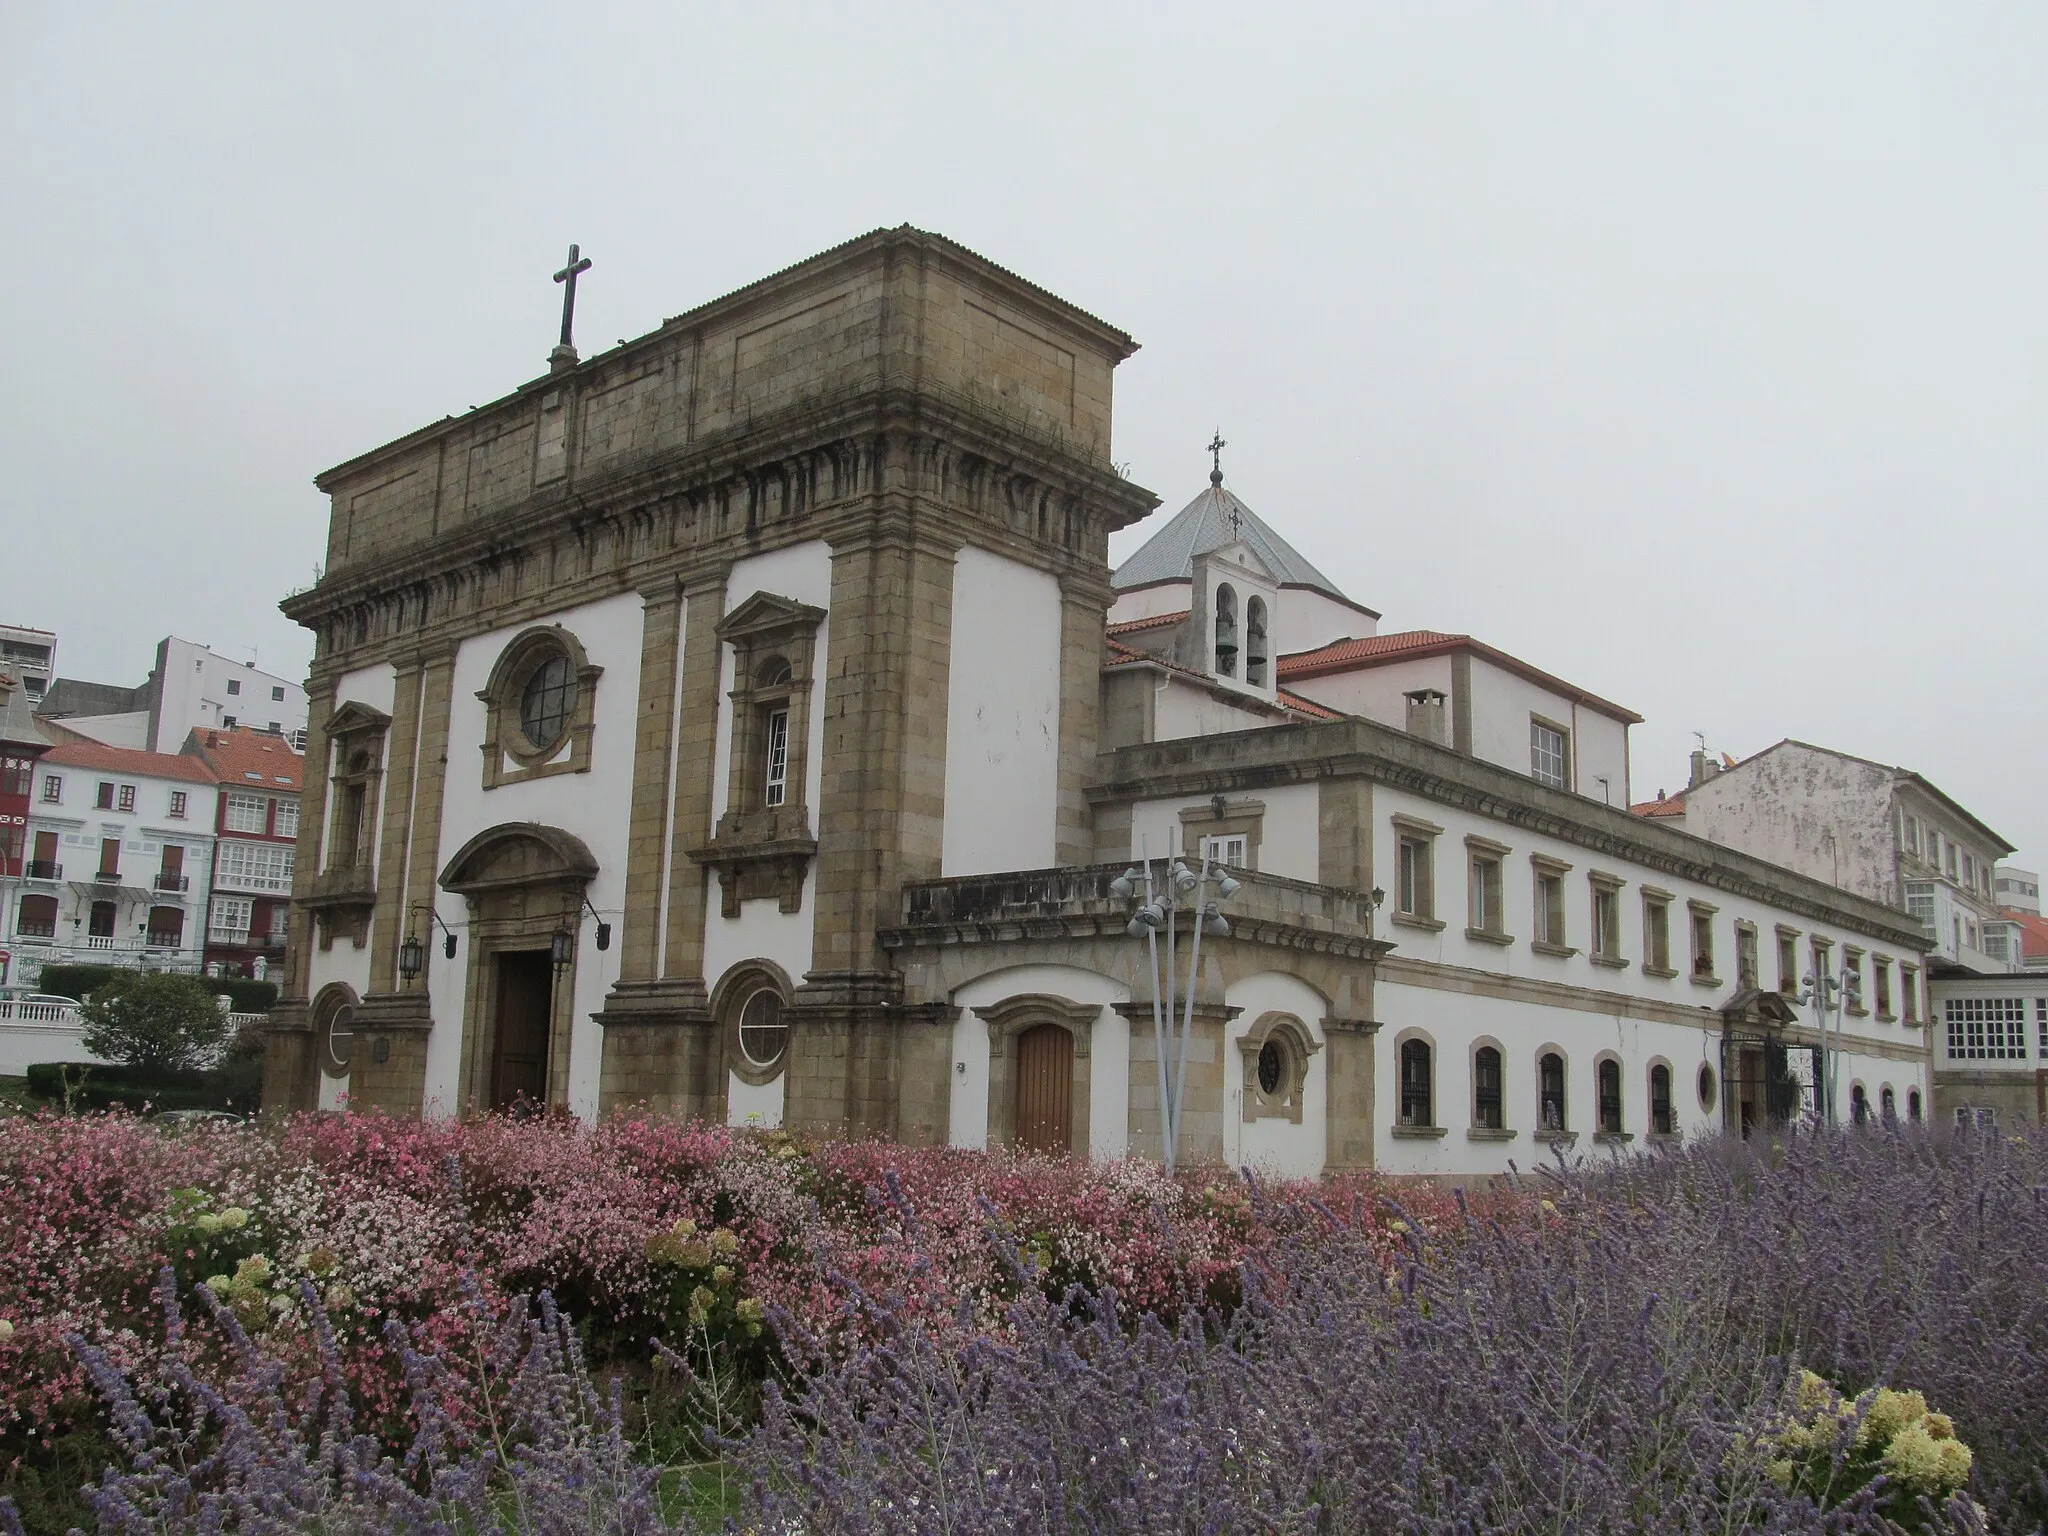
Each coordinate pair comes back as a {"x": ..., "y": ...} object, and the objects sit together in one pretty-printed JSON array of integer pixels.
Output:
[
  {"x": 1662, "y": 972},
  {"x": 1857, "y": 1013},
  {"x": 1558, "y": 1138},
  {"x": 1612, "y": 962},
  {"x": 1705, "y": 981},
  {"x": 1418, "y": 1132},
  {"x": 1555, "y": 951},
  {"x": 1658, "y": 1138},
  {"x": 1490, "y": 1133},
  {"x": 1887, "y": 1018},
  {"x": 1415, "y": 920},
  {"x": 1489, "y": 936},
  {"x": 1614, "y": 1138}
]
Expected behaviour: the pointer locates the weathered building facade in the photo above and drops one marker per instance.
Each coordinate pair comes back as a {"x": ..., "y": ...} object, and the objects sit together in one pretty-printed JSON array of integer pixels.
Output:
[{"x": 728, "y": 723}]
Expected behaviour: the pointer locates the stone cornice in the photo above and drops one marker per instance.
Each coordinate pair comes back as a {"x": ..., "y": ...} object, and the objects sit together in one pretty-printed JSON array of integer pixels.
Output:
[{"x": 1355, "y": 748}]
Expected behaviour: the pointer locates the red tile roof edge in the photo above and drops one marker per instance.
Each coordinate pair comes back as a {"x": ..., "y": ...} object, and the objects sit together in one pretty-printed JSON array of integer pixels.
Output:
[
  {"x": 1405, "y": 645},
  {"x": 106, "y": 759}
]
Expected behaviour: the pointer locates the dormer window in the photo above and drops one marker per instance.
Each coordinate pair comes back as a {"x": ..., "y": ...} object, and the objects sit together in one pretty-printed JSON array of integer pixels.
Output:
[
  {"x": 1226, "y": 631},
  {"x": 1255, "y": 641}
]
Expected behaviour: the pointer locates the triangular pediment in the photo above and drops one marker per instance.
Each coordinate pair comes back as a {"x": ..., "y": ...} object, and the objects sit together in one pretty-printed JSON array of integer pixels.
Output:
[
  {"x": 1761, "y": 1005},
  {"x": 354, "y": 717},
  {"x": 1238, "y": 555},
  {"x": 768, "y": 613}
]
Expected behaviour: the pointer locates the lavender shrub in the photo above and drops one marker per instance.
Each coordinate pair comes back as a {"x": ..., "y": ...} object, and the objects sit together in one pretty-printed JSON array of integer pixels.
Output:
[{"x": 1625, "y": 1356}]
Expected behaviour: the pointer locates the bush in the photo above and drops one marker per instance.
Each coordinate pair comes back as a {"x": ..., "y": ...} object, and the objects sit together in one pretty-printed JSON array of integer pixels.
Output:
[
  {"x": 236, "y": 1084},
  {"x": 79, "y": 981},
  {"x": 153, "y": 1019}
]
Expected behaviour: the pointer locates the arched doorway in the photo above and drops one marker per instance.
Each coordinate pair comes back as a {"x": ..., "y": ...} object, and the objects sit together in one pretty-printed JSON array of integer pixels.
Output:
[{"x": 1045, "y": 1089}]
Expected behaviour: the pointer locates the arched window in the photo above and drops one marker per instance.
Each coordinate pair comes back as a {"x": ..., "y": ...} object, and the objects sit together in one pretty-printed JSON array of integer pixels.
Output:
[
  {"x": 1887, "y": 1105},
  {"x": 1226, "y": 631},
  {"x": 1607, "y": 1078},
  {"x": 1488, "y": 1110},
  {"x": 1550, "y": 1092},
  {"x": 1255, "y": 641},
  {"x": 37, "y": 917},
  {"x": 1416, "y": 1108},
  {"x": 1859, "y": 1105},
  {"x": 1913, "y": 1105},
  {"x": 1663, "y": 1118},
  {"x": 772, "y": 693}
]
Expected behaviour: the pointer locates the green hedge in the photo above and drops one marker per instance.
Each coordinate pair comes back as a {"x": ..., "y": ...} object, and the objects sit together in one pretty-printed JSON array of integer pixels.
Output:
[
  {"x": 236, "y": 1084},
  {"x": 243, "y": 995}
]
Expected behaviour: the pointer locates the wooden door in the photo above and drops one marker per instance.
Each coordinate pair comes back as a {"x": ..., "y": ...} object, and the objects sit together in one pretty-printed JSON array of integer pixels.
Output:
[
  {"x": 173, "y": 868},
  {"x": 1045, "y": 1089},
  {"x": 519, "y": 1057},
  {"x": 46, "y": 850},
  {"x": 110, "y": 856}
]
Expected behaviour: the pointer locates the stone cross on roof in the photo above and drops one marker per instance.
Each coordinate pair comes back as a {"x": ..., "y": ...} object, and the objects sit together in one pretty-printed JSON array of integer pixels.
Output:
[
  {"x": 564, "y": 355},
  {"x": 1216, "y": 447}
]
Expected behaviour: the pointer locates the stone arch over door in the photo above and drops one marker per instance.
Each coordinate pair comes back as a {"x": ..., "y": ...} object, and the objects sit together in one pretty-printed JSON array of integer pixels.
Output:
[
  {"x": 524, "y": 881},
  {"x": 1009, "y": 1021}
]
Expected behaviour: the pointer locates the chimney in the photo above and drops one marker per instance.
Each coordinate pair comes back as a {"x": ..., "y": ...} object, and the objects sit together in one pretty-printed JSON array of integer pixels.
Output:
[
  {"x": 1703, "y": 769},
  {"x": 1426, "y": 716}
]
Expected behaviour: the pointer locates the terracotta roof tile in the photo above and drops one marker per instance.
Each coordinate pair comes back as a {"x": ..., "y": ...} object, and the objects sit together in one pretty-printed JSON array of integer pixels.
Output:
[
  {"x": 246, "y": 757},
  {"x": 1156, "y": 621},
  {"x": 155, "y": 765},
  {"x": 1669, "y": 805},
  {"x": 1373, "y": 650}
]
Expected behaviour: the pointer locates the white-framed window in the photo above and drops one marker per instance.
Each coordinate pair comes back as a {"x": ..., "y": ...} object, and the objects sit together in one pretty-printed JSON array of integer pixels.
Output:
[
  {"x": 256, "y": 866},
  {"x": 248, "y": 813},
  {"x": 1986, "y": 1028},
  {"x": 287, "y": 818},
  {"x": 2041, "y": 1020},
  {"x": 231, "y": 918},
  {"x": 1232, "y": 850},
  {"x": 1414, "y": 894},
  {"x": 126, "y": 799},
  {"x": 777, "y": 787},
  {"x": 1549, "y": 761},
  {"x": 1920, "y": 901}
]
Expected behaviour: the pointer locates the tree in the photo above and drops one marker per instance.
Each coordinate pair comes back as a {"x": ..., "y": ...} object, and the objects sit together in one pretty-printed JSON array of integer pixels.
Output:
[{"x": 154, "y": 1019}]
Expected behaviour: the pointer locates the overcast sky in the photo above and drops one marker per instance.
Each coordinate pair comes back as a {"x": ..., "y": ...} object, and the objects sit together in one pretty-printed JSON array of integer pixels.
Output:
[{"x": 1696, "y": 354}]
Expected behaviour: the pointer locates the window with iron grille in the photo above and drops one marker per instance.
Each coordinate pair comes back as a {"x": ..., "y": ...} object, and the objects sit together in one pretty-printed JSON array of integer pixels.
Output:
[
  {"x": 1550, "y": 1091},
  {"x": 1415, "y": 1084},
  {"x": 1487, "y": 1107},
  {"x": 1986, "y": 1028}
]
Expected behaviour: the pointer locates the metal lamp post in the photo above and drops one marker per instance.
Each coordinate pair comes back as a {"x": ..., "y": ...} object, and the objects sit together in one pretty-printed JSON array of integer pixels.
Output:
[
  {"x": 1830, "y": 994},
  {"x": 1162, "y": 913}
]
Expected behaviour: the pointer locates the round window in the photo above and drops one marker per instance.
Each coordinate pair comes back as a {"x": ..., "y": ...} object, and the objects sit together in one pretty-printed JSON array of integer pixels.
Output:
[
  {"x": 340, "y": 1037},
  {"x": 1707, "y": 1100},
  {"x": 548, "y": 701},
  {"x": 1272, "y": 1066},
  {"x": 763, "y": 1035}
]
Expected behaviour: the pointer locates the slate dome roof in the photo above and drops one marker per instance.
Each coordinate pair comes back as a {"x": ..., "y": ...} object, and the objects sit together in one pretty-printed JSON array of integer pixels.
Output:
[{"x": 1213, "y": 519}]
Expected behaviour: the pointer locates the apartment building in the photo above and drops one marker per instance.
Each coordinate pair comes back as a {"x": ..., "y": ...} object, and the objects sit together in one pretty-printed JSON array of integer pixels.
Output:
[
  {"x": 256, "y": 834},
  {"x": 191, "y": 687},
  {"x": 29, "y": 656}
]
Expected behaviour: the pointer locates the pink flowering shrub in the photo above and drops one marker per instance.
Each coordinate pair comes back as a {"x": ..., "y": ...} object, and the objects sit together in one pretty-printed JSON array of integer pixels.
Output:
[{"x": 640, "y": 1228}]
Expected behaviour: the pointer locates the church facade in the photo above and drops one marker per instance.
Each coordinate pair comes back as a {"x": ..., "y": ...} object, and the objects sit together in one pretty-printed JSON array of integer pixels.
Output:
[{"x": 746, "y": 722}]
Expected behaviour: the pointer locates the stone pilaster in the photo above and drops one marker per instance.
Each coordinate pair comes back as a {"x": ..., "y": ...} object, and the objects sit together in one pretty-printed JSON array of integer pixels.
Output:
[
  {"x": 394, "y": 827},
  {"x": 696, "y": 748},
  {"x": 1201, "y": 1139},
  {"x": 423, "y": 834},
  {"x": 1348, "y": 1063},
  {"x": 1084, "y": 609},
  {"x": 291, "y": 1069},
  {"x": 653, "y": 747},
  {"x": 1344, "y": 833}
]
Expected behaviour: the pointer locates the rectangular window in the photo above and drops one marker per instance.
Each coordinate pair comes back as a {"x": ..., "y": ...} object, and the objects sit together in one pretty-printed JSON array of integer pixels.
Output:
[
  {"x": 231, "y": 918},
  {"x": 1881, "y": 974},
  {"x": 110, "y": 858},
  {"x": 1413, "y": 882},
  {"x": 1232, "y": 850},
  {"x": 103, "y": 798},
  {"x": 1746, "y": 967},
  {"x": 1606, "y": 921},
  {"x": 127, "y": 797},
  {"x": 16, "y": 776},
  {"x": 1913, "y": 835},
  {"x": 234, "y": 685},
  {"x": 1920, "y": 902},
  {"x": 1549, "y": 758},
  {"x": 1822, "y": 955},
  {"x": 1986, "y": 1028},
  {"x": 177, "y": 811},
  {"x": 1909, "y": 992},
  {"x": 778, "y": 758},
  {"x": 53, "y": 789},
  {"x": 2041, "y": 1022},
  {"x": 1550, "y": 908},
  {"x": 248, "y": 813},
  {"x": 1702, "y": 941},
  {"x": 1657, "y": 935},
  {"x": 1852, "y": 981},
  {"x": 1948, "y": 862},
  {"x": 227, "y": 722},
  {"x": 1488, "y": 1111},
  {"x": 277, "y": 695},
  {"x": 1485, "y": 895},
  {"x": 256, "y": 866},
  {"x": 287, "y": 818},
  {"x": 1788, "y": 961}
]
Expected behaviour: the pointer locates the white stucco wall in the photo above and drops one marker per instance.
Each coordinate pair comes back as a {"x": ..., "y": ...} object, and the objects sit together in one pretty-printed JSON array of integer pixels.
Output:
[
  {"x": 1502, "y": 703},
  {"x": 1148, "y": 602},
  {"x": 1288, "y": 833},
  {"x": 1002, "y": 717},
  {"x": 1309, "y": 620},
  {"x": 763, "y": 931},
  {"x": 1270, "y": 1144},
  {"x": 590, "y": 805},
  {"x": 1186, "y": 708},
  {"x": 1109, "y": 1074},
  {"x": 1377, "y": 692}
]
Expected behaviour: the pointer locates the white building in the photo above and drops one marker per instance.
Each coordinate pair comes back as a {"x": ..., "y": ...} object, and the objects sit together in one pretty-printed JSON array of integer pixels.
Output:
[
  {"x": 759, "y": 719},
  {"x": 2016, "y": 889},
  {"x": 30, "y": 656},
  {"x": 190, "y": 688},
  {"x": 120, "y": 848}
]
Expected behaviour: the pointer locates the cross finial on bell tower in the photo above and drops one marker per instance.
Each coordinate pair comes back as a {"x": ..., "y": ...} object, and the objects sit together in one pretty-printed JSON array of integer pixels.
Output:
[
  {"x": 563, "y": 358},
  {"x": 1216, "y": 447}
]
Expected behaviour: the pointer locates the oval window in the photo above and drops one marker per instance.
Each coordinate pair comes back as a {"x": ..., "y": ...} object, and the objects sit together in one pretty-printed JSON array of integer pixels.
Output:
[
  {"x": 1707, "y": 1100},
  {"x": 341, "y": 1030},
  {"x": 1272, "y": 1066},
  {"x": 547, "y": 702},
  {"x": 763, "y": 1034}
]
